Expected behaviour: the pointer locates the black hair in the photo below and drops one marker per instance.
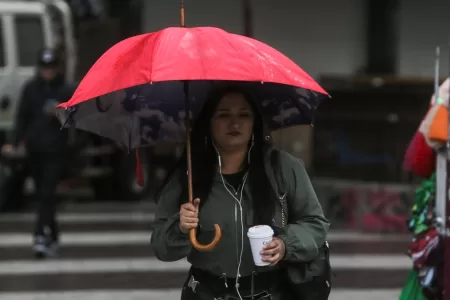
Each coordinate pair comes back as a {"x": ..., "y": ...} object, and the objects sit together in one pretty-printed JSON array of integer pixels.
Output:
[{"x": 205, "y": 160}]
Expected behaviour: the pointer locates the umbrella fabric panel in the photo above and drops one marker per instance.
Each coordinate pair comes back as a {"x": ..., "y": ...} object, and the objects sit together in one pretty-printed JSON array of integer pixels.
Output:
[{"x": 147, "y": 114}]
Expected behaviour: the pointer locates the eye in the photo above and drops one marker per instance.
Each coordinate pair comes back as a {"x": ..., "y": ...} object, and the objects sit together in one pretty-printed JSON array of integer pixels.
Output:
[{"x": 222, "y": 115}]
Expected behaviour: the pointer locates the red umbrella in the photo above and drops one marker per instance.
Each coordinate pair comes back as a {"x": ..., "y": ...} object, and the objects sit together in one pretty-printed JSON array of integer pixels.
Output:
[
  {"x": 139, "y": 91},
  {"x": 199, "y": 53}
]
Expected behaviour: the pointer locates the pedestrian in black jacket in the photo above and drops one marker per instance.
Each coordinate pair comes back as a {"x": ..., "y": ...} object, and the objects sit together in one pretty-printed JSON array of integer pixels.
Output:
[{"x": 37, "y": 125}]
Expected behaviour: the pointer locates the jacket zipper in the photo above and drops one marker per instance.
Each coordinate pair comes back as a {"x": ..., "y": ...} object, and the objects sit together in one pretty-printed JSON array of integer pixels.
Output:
[{"x": 235, "y": 221}]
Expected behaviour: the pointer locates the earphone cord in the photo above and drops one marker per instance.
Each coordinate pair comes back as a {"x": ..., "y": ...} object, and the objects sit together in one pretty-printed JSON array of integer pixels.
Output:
[{"x": 240, "y": 209}]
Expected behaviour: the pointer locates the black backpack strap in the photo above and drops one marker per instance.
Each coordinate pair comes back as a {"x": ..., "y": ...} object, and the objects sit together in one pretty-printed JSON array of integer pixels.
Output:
[{"x": 275, "y": 162}]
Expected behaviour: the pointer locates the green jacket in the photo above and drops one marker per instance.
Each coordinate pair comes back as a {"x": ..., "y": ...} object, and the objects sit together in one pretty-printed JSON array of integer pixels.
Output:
[{"x": 306, "y": 229}]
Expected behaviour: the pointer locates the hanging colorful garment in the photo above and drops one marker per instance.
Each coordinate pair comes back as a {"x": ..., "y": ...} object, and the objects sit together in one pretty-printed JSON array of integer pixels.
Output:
[
  {"x": 422, "y": 211},
  {"x": 431, "y": 274},
  {"x": 420, "y": 158},
  {"x": 426, "y": 249},
  {"x": 434, "y": 125},
  {"x": 422, "y": 246},
  {"x": 412, "y": 289}
]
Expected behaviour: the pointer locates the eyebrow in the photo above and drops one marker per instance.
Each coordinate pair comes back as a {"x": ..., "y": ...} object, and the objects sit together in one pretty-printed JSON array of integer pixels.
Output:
[{"x": 228, "y": 109}]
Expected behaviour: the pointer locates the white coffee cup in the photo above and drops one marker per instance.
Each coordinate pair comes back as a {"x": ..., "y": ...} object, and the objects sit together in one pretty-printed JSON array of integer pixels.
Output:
[{"x": 259, "y": 236}]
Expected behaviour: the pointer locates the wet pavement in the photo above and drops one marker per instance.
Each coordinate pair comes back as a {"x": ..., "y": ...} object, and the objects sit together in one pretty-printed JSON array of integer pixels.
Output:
[{"x": 105, "y": 254}]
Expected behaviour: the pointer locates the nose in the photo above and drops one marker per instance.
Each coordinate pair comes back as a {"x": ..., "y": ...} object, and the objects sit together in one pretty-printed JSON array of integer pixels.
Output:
[{"x": 235, "y": 123}]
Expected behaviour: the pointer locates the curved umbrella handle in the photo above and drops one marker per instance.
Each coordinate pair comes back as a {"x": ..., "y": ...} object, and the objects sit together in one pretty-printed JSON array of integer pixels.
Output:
[{"x": 210, "y": 246}]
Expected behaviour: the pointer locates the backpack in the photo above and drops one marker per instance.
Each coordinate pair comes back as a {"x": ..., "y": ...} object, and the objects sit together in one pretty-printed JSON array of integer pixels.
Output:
[{"x": 310, "y": 280}]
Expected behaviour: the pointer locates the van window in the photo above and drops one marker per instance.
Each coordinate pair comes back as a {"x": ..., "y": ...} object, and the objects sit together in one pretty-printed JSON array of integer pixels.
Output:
[
  {"x": 2, "y": 46},
  {"x": 30, "y": 38}
]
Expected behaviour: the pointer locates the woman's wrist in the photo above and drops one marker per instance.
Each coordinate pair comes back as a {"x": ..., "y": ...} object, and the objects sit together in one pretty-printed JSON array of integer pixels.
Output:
[{"x": 182, "y": 230}]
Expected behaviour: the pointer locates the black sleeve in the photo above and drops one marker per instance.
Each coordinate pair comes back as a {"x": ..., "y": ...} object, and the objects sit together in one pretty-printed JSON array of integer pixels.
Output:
[{"x": 22, "y": 116}]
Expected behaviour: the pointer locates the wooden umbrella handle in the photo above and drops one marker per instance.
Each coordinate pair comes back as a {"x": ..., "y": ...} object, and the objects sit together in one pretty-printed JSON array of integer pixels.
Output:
[
  {"x": 193, "y": 232},
  {"x": 210, "y": 246}
]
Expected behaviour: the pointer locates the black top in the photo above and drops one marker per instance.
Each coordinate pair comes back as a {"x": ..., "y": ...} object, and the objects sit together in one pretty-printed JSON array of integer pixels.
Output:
[{"x": 235, "y": 179}]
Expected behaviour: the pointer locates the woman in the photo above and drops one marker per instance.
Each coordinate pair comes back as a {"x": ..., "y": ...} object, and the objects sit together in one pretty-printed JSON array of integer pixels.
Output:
[{"x": 235, "y": 187}]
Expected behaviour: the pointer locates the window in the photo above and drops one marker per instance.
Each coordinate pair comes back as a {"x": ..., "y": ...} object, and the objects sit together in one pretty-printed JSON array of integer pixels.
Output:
[
  {"x": 2, "y": 46},
  {"x": 30, "y": 38}
]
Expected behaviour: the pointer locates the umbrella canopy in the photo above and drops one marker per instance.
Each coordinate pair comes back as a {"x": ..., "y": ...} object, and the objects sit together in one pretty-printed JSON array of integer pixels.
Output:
[{"x": 134, "y": 94}]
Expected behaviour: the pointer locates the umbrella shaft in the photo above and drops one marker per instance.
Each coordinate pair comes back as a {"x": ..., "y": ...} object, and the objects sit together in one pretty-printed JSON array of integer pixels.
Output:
[
  {"x": 188, "y": 141},
  {"x": 182, "y": 12}
]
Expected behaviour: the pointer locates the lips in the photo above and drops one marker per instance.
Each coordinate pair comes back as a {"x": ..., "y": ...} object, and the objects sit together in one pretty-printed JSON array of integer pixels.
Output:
[{"x": 234, "y": 133}]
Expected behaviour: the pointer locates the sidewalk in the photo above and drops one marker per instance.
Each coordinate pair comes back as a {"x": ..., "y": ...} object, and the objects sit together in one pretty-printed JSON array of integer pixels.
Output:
[{"x": 174, "y": 294}]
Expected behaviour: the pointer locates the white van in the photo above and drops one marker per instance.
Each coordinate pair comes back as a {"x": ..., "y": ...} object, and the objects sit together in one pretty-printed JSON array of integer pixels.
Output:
[{"x": 25, "y": 28}]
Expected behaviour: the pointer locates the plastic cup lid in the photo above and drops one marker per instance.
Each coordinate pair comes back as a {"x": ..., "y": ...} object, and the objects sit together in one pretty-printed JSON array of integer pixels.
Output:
[{"x": 260, "y": 231}]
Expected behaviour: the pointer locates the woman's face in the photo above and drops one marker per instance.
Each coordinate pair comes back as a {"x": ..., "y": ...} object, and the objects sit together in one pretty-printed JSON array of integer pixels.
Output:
[{"x": 232, "y": 123}]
